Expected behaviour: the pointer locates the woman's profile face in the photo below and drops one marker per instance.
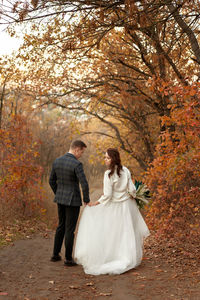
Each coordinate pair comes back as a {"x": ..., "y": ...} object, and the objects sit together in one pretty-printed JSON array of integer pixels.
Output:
[{"x": 107, "y": 159}]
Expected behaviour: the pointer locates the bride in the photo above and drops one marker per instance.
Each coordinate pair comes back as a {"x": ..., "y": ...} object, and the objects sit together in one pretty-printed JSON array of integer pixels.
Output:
[{"x": 111, "y": 230}]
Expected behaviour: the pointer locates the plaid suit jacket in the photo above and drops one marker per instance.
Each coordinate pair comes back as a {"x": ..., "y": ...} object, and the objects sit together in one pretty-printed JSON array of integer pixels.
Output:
[{"x": 66, "y": 174}]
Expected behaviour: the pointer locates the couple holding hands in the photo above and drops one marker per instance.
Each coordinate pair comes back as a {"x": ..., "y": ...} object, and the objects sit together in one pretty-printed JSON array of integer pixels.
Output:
[{"x": 111, "y": 230}]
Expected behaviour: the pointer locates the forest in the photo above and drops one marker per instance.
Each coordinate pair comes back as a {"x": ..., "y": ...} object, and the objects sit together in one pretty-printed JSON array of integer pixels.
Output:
[{"x": 114, "y": 73}]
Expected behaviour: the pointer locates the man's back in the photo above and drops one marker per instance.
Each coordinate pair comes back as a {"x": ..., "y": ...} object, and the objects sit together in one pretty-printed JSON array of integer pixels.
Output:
[{"x": 66, "y": 174}]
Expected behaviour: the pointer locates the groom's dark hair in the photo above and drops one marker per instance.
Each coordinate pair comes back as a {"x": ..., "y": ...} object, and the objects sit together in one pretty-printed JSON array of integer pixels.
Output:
[{"x": 78, "y": 144}]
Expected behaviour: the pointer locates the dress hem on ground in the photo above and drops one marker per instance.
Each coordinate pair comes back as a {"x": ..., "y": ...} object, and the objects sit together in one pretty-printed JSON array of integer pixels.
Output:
[{"x": 110, "y": 238}]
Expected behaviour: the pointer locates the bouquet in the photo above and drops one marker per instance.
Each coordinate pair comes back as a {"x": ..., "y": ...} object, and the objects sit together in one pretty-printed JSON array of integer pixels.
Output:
[{"x": 142, "y": 194}]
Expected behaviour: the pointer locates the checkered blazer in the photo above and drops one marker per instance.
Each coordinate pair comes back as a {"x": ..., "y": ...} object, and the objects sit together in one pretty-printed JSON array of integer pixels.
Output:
[{"x": 66, "y": 174}]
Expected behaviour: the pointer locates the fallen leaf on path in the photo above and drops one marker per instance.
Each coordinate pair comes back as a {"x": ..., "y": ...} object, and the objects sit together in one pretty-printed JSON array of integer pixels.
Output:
[
  {"x": 45, "y": 235},
  {"x": 10, "y": 234},
  {"x": 105, "y": 294},
  {"x": 159, "y": 270},
  {"x": 73, "y": 287},
  {"x": 89, "y": 283},
  {"x": 142, "y": 277},
  {"x": 135, "y": 273},
  {"x": 8, "y": 240},
  {"x": 3, "y": 294},
  {"x": 196, "y": 273}
]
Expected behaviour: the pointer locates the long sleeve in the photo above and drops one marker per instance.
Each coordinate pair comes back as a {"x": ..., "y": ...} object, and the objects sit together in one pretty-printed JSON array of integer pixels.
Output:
[
  {"x": 53, "y": 180},
  {"x": 107, "y": 189},
  {"x": 83, "y": 181},
  {"x": 131, "y": 186}
]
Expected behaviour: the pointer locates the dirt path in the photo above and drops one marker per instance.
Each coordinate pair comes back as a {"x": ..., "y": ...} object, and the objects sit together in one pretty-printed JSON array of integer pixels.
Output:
[{"x": 27, "y": 274}]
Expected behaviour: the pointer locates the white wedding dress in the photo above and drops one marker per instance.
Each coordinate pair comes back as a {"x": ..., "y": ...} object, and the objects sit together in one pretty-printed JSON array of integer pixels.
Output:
[{"x": 110, "y": 235}]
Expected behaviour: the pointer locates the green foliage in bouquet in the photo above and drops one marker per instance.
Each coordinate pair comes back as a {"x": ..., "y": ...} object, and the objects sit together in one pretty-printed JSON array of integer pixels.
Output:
[{"x": 142, "y": 194}]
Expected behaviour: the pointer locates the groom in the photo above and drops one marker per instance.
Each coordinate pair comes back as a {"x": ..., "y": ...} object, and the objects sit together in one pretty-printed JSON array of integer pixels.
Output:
[{"x": 66, "y": 174}]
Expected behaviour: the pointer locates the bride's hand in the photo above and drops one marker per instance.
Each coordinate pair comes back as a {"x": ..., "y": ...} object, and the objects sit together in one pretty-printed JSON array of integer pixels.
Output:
[{"x": 93, "y": 203}]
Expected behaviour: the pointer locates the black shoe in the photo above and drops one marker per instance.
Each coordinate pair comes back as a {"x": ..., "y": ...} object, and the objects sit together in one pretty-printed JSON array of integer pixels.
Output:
[
  {"x": 55, "y": 258},
  {"x": 70, "y": 263}
]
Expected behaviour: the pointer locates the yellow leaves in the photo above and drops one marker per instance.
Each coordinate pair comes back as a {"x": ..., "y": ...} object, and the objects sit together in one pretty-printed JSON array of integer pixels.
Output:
[
  {"x": 43, "y": 211},
  {"x": 194, "y": 225},
  {"x": 92, "y": 159},
  {"x": 36, "y": 154}
]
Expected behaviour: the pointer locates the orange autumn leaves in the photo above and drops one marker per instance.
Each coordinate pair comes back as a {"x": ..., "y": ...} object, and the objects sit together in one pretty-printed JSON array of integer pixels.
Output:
[
  {"x": 174, "y": 176},
  {"x": 20, "y": 174}
]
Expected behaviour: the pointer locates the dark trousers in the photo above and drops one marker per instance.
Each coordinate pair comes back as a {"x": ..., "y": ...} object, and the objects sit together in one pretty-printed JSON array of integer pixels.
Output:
[{"x": 68, "y": 216}]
